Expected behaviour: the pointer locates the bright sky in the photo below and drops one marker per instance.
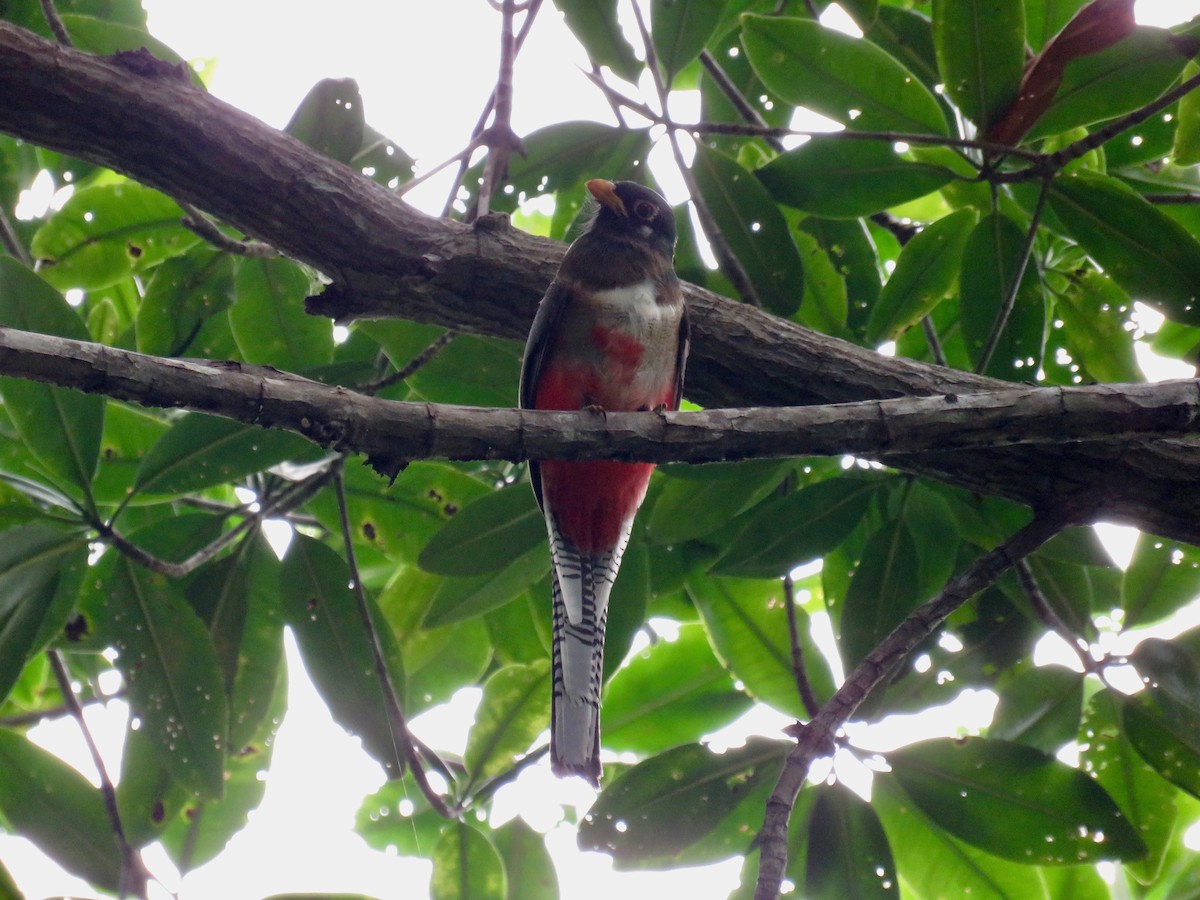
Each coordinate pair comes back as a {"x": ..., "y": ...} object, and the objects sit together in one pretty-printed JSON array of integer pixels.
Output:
[{"x": 269, "y": 54}]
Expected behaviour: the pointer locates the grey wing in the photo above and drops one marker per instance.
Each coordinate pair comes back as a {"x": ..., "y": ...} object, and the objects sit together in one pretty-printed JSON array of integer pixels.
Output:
[{"x": 537, "y": 348}]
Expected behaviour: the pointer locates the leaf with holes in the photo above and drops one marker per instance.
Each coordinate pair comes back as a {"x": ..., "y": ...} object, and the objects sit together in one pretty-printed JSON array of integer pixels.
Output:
[
  {"x": 514, "y": 710},
  {"x": 487, "y": 535}
]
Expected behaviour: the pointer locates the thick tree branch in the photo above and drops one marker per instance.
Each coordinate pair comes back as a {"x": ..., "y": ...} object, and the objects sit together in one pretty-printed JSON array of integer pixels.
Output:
[
  {"x": 385, "y": 260},
  {"x": 391, "y": 433}
]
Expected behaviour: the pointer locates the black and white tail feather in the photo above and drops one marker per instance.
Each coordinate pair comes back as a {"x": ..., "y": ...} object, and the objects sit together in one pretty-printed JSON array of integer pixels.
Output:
[{"x": 582, "y": 585}]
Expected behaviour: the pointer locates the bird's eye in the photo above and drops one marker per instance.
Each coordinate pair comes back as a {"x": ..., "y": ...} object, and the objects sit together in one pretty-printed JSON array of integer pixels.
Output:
[{"x": 645, "y": 210}]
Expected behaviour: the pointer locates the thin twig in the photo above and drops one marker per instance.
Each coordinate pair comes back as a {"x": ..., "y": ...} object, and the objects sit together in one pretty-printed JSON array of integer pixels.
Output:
[
  {"x": 401, "y": 741},
  {"x": 931, "y": 338},
  {"x": 12, "y": 243},
  {"x": 1172, "y": 199},
  {"x": 1051, "y": 618},
  {"x": 799, "y": 672},
  {"x": 54, "y": 20},
  {"x": 489, "y": 787},
  {"x": 817, "y": 737},
  {"x": 25, "y": 719},
  {"x": 198, "y": 223},
  {"x": 613, "y": 104},
  {"x": 501, "y": 139},
  {"x": 1010, "y": 299},
  {"x": 422, "y": 359},
  {"x": 133, "y": 871},
  {"x": 734, "y": 96}
]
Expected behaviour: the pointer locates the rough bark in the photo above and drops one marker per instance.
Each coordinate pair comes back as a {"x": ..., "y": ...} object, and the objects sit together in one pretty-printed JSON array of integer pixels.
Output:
[{"x": 386, "y": 259}]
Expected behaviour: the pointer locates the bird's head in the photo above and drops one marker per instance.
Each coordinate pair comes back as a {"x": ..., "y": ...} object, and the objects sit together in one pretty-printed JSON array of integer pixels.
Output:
[{"x": 631, "y": 209}]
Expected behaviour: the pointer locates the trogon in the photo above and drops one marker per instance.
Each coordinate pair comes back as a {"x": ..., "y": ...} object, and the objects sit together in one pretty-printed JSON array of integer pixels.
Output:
[{"x": 611, "y": 334}]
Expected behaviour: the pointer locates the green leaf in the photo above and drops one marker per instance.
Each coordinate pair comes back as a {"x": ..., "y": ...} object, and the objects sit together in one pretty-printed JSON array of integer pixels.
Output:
[
  {"x": 1095, "y": 334},
  {"x": 1163, "y": 721},
  {"x": 671, "y": 693},
  {"x": 753, "y": 227},
  {"x": 528, "y": 866},
  {"x": 843, "y": 178},
  {"x": 1145, "y": 799},
  {"x": 330, "y": 119},
  {"x": 926, "y": 273},
  {"x": 680, "y": 29},
  {"x": 701, "y": 500},
  {"x": 322, "y": 610},
  {"x": 931, "y": 858},
  {"x": 487, "y": 535},
  {"x": 514, "y": 710},
  {"x": 1128, "y": 75},
  {"x": 269, "y": 322},
  {"x": 466, "y": 867},
  {"x": 825, "y": 304},
  {"x": 848, "y": 853},
  {"x": 1149, "y": 254},
  {"x": 787, "y": 531},
  {"x": 201, "y": 451},
  {"x": 980, "y": 48},
  {"x": 60, "y": 427},
  {"x": 1039, "y": 707},
  {"x": 990, "y": 261},
  {"x": 107, "y": 232},
  {"x": 855, "y": 258},
  {"x": 1186, "y": 148},
  {"x": 169, "y": 664},
  {"x": 471, "y": 370},
  {"x": 398, "y": 819},
  {"x": 747, "y": 626},
  {"x": 40, "y": 572},
  {"x": 1162, "y": 577},
  {"x": 457, "y": 599},
  {"x": 883, "y": 590},
  {"x": 848, "y": 79},
  {"x": 907, "y": 35},
  {"x": 594, "y": 24},
  {"x": 105, "y": 38},
  {"x": 55, "y": 807},
  {"x": 181, "y": 295},
  {"x": 1015, "y": 801},
  {"x": 665, "y": 804}
]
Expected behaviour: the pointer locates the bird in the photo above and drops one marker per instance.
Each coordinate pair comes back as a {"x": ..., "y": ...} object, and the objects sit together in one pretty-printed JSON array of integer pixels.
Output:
[{"x": 611, "y": 334}]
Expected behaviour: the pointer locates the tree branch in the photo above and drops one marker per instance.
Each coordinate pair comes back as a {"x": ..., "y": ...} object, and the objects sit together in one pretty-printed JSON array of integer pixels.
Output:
[
  {"x": 816, "y": 738},
  {"x": 387, "y": 260}
]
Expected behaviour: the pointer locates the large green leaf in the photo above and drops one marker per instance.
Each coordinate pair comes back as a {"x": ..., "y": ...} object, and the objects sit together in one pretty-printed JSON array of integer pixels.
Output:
[
  {"x": 980, "y": 48},
  {"x": 990, "y": 261},
  {"x": 848, "y": 853},
  {"x": 1095, "y": 333},
  {"x": 269, "y": 321},
  {"x": 330, "y": 119},
  {"x": 60, "y": 427},
  {"x": 680, "y": 29},
  {"x": 1162, "y": 577},
  {"x": 1039, "y": 707},
  {"x": 181, "y": 295},
  {"x": 54, "y": 806},
  {"x": 671, "y": 693},
  {"x": 487, "y": 535},
  {"x": 747, "y": 626},
  {"x": 753, "y": 228},
  {"x": 783, "y": 533},
  {"x": 1126, "y": 76},
  {"x": 457, "y": 599},
  {"x": 528, "y": 867},
  {"x": 698, "y": 501},
  {"x": 925, "y": 274},
  {"x": 201, "y": 451},
  {"x": 1153, "y": 257},
  {"x": 847, "y": 79},
  {"x": 40, "y": 572},
  {"x": 169, "y": 664},
  {"x": 594, "y": 24},
  {"x": 107, "y": 232},
  {"x": 466, "y": 866},
  {"x": 843, "y": 178},
  {"x": 1163, "y": 721},
  {"x": 1015, "y": 801},
  {"x": 883, "y": 590},
  {"x": 670, "y": 801},
  {"x": 322, "y": 610},
  {"x": 514, "y": 710}
]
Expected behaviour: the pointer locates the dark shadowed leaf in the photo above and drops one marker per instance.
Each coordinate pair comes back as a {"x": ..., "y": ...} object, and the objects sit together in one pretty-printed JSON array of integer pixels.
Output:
[
  {"x": 1039, "y": 707},
  {"x": 847, "y": 79},
  {"x": 487, "y": 535},
  {"x": 514, "y": 710},
  {"x": 1014, "y": 801},
  {"x": 671, "y": 693},
  {"x": 980, "y": 48},
  {"x": 840, "y": 178},
  {"x": 594, "y": 24},
  {"x": 680, "y": 29},
  {"x": 753, "y": 227},
  {"x": 54, "y": 805},
  {"x": 848, "y": 853},
  {"x": 466, "y": 866},
  {"x": 1163, "y": 721},
  {"x": 1093, "y": 310},
  {"x": 457, "y": 599},
  {"x": 1162, "y": 577},
  {"x": 181, "y": 295},
  {"x": 705, "y": 498},
  {"x": 883, "y": 590},
  {"x": 670, "y": 801}
]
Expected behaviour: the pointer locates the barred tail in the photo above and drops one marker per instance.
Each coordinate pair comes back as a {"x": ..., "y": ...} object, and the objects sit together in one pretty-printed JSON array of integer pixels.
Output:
[{"x": 575, "y": 705}]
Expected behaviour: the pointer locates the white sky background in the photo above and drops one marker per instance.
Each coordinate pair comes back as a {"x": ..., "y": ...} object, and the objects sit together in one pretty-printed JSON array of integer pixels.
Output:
[{"x": 270, "y": 52}]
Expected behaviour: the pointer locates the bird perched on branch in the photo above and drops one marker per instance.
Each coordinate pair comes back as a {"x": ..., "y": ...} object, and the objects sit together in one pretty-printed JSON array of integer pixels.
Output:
[{"x": 611, "y": 334}]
